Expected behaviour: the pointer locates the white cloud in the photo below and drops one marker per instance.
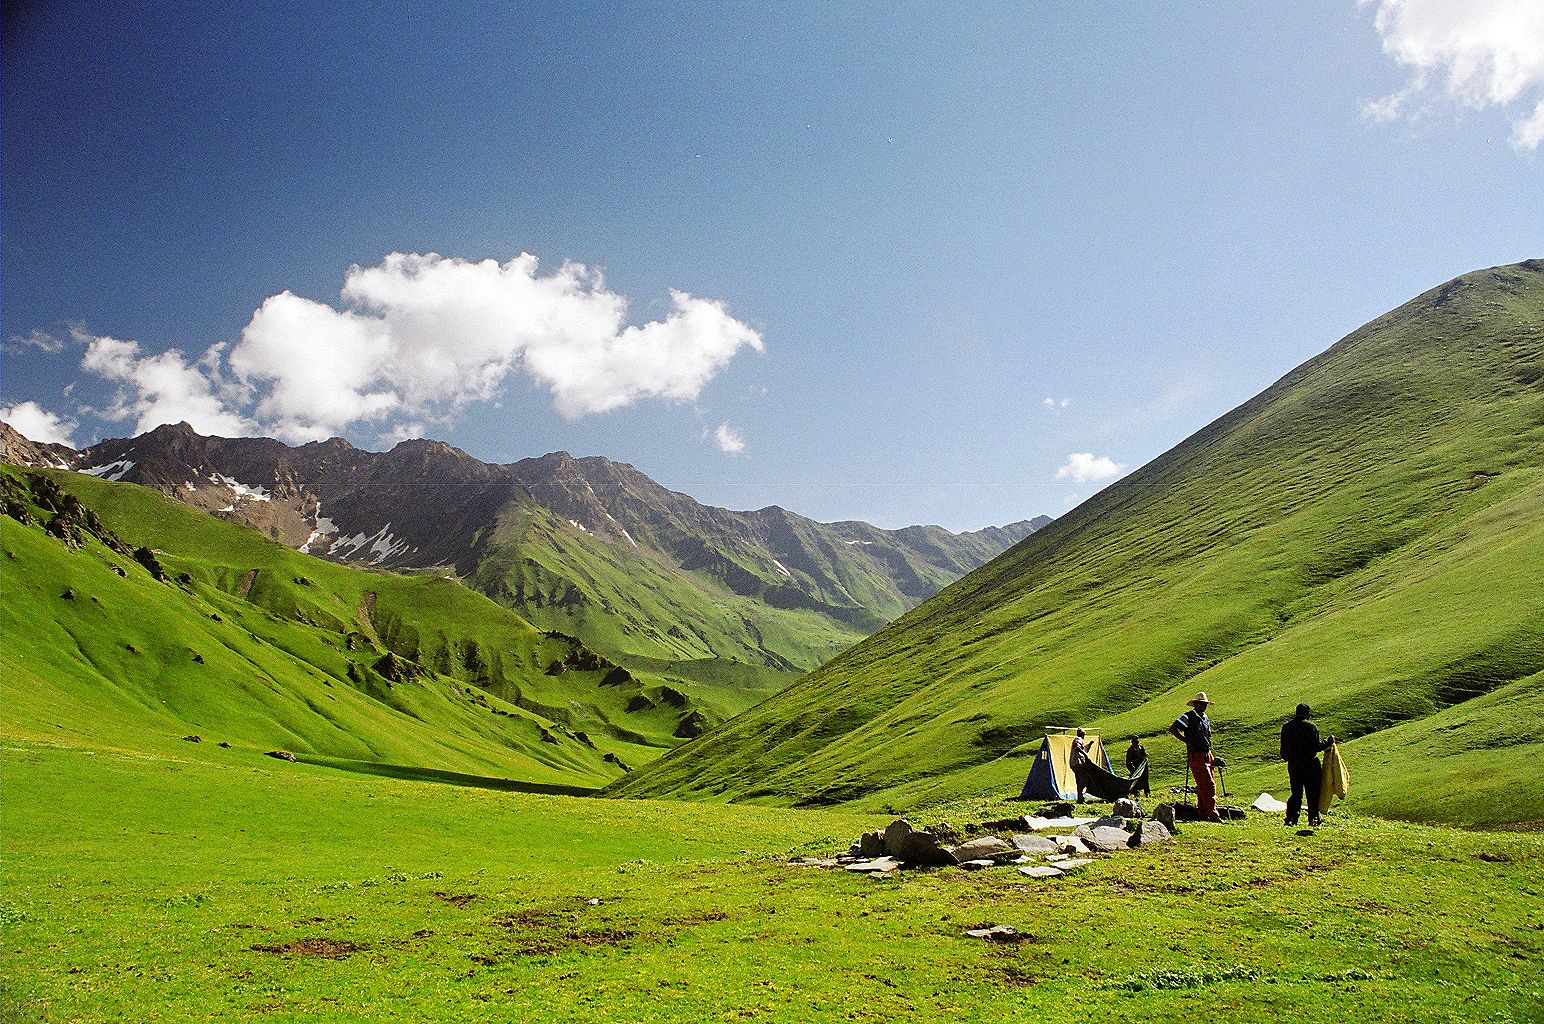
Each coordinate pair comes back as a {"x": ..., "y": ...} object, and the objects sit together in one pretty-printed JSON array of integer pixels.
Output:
[
  {"x": 43, "y": 341},
  {"x": 729, "y": 439},
  {"x": 1471, "y": 53},
  {"x": 1088, "y": 468},
  {"x": 423, "y": 335},
  {"x": 162, "y": 388},
  {"x": 38, "y": 424},
  {"x": 1055, "y": 403}
]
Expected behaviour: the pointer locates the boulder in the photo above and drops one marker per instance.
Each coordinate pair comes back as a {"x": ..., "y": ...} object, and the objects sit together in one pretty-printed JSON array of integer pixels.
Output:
[
  {"x": 282, "y": 755},
  {"x": 987, "y": 848},
  {"x": 1071, "y": 844},
  {"x": 1041, "y": 871},
  {"x": 1165, "y": 813},
  {"x": 1151, "y": 832},
  {"x": 1127, "y": 808},
  {"x": 871, "y": 844},
  {"x": 1035, "y": 844},
  {"x": 1103, "y": 838},
  {"x": 922, "y": 849},
  {"x": 1111, "y": 821}
]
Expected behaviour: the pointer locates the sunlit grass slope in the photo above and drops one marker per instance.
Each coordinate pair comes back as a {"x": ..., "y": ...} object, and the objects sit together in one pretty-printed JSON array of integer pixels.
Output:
[
  {"x": 188, "y": 888},
  {"x": 248, "y": 642},
  {"x": 1365, "y": 535}
]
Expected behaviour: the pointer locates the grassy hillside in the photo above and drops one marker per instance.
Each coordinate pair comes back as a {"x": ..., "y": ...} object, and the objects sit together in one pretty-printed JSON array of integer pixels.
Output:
[
  {"x": 245, "y": 641},
  {"x": 155, "y": 888},
  {"x": 1365, "y": 535}
]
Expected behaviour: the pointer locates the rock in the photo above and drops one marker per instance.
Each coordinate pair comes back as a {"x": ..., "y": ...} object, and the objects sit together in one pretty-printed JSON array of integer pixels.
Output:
[
  {"x": 987, "y": 848},
  {"x": 1002, "y": 824},
  {"x": 1269, "y": 804},
  {"x": 1041, "y": 871},
  {"x": 282, "y": 755},
  {"x": 1035, "y": 844},
  {"x": 1151, "y": 832},
  {"x": 1110, "y": 821},
  {"x": 1044, "y": 823},
  {"x": 1075, "y": 862},
  {"x": 1103, "y": 838},
  {"x": 69, "y": 594},
  {"x": 1165, "y": 813},
  {"x": 225, "y": 745},
  {"x": 1127, "y": 808},
  {"x": 193, "y": 739},
  {"x": 593, "y": 901},
  {"x": 198, "y": 659},
  {"x": 995, "y": 933},
  {"x": 883, "y": 864},
  {"x": 977, "y": 865},
  {"x": 1071, "y": 844},
  {"x": 871, "y": 844},
  {"x": 1063, "y": 809},
  {"x": 922, "y": 849}
]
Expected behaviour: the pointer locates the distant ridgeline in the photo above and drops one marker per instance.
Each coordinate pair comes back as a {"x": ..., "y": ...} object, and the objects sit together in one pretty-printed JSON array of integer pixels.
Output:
[
  {"x": 1366, "y": 535},
  {"x": 739, "y": 602}
]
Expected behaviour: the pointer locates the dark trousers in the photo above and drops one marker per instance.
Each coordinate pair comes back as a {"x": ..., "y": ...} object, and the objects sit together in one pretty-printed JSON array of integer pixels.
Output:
[{"x": 1305, "y": 775}]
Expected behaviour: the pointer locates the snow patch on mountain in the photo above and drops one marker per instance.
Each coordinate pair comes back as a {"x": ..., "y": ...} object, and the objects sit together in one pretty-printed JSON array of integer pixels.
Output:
[
  {"x": 111, "y": 471},
  {"x": 242, "y": 490},
  {"x": 782, "y": 568},
  {"x": 323, "y": 527},
  {"x": 382, "y": 544}
]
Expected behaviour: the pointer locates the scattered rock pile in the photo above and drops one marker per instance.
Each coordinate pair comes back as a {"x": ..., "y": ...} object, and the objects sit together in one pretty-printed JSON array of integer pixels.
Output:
[{"x": 900, "y": 846}]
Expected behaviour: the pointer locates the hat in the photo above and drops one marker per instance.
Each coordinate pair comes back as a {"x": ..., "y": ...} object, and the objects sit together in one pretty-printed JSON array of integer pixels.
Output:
[{"x": 1200, "y": 698}]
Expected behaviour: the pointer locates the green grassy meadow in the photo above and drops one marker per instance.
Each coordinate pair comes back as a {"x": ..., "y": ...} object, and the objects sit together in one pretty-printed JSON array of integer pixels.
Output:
[{"x": 226, "y": 886}]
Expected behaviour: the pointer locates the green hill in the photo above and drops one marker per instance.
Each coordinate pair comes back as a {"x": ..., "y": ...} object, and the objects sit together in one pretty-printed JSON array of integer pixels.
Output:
[
  {"x": 1365, "y": 535},
  {"x": 131, "y": 621}
]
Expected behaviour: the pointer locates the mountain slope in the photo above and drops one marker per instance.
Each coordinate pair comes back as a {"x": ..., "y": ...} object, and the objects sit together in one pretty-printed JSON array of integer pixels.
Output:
[
  {"x": 133, "y": 620},
  {"x": 1365, "y": 535},
  {"x": 587, "y": 546}
]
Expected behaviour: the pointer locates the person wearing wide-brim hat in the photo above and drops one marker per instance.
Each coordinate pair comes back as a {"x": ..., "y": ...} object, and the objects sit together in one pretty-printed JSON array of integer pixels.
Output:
[{"x": 1194, "y": 730}]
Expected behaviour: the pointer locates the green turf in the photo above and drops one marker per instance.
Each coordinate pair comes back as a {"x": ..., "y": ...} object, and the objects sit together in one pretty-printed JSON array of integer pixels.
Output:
[
  {"x": 1365, "y": 535},
  {"x": 154, "y": 888},
  {"x": 292, "y": 651}
]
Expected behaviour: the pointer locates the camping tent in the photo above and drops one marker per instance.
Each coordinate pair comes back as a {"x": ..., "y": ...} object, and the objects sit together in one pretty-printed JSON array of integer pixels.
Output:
[{"x": 1050, "y": 777}]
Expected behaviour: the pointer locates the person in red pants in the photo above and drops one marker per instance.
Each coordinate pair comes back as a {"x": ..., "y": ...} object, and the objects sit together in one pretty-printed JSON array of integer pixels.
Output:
[{"x": 1194, "y": 730}]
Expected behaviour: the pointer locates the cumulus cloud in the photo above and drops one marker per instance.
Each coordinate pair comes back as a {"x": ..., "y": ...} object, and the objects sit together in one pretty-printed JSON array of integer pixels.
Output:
[
  {"x": 1476, "y": 54},
  {"x": 1055, "y": 403},
  {"x": 423, "y": 335},
  {"x": 1088, "y": 468},
  {"x": 729, "y": 439},
  {"x": 163, "y": 388},
  {"x": 38, "y": 424}
]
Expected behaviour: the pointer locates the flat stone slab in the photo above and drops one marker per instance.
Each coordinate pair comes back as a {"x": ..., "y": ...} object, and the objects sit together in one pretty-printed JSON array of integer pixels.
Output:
[
  {"x": 877, "y": 864},
  {"x": 1269, "y": 804},
  {"x": 1074, "y": 862},
  {"x": 977, "y": 865},
  {"x": 1037, "y": 824},
  {"x": 996, "y": 933},
  {"x": 1040, "y": 871},
  {"x": 989, "y": 847},
  {"x": 1106, "y": 838},
  {"x": 1035, "y": 844}
]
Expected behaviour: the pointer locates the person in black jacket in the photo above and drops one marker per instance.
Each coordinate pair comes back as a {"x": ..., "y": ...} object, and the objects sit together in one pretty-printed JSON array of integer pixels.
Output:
[
  {"x": 1300, "y": 748},
  {"x": 1136, "y": 760}
]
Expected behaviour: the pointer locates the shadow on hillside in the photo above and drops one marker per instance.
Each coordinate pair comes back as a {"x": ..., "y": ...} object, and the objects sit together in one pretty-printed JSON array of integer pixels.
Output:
[{"x": 411, "y": 773}]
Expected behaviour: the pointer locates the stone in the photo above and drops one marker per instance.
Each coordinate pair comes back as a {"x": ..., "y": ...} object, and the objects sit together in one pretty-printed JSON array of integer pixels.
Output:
[
  {"x": 1071, "y": 844},
  {"x": 1269, "y": 804},
  {"x": 1127, "y": 808},
  {"x": 1110, "y": 821},
  {"x": 1041, "y": 871},
  {"x": 977, "y": 865},
  {"x": 1151, "y": 832},
  {"x": 282, "y": 755},
  {"x": 1038, "y": 824},
  {"x": 922, "y": 849},
  {"x": 1075, "y": 862},
  {"x": 1103, "y": 838},
  {"x": 192, "y": 739},
  {"x": 1035, "y": 844},
  {"x": 987, "y": 848},
  {"x": 877, "y": 864},
  {"x": 995, "y": 933},
  {"x": 1165, "y": 813},
  {"x": 871, "y": 844}
]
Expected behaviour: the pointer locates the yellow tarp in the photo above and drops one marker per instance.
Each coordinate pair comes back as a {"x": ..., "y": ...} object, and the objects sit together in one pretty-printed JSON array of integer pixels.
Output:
[
  {"x": 1061, "y": 757},
  {"x": 1337, "y": 778}
]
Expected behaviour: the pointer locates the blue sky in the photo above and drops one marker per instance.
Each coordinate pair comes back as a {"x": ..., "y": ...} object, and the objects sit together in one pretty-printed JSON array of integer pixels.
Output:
[{"x": 902, "y": 229}]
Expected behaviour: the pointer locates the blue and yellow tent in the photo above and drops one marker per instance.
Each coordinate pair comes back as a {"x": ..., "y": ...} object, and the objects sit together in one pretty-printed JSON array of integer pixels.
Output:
[{"x": 1050, "y": 777}]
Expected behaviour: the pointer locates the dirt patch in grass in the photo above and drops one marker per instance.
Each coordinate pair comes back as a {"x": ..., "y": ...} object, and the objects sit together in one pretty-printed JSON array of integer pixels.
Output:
[
  {"x": 456, "y": 899},
  {"x": 311, "y": 945}
]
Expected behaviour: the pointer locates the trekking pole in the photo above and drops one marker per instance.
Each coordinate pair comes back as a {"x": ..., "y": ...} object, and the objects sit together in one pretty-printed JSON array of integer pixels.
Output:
[{"x": 1184, "y": 794}]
